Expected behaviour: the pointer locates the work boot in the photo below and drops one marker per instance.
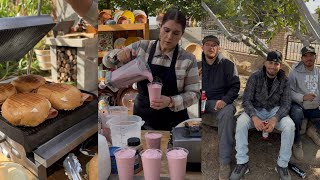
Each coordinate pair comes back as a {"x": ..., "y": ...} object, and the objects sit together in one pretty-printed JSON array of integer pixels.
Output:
[
  {"x": 239, "y": 171},
  {"x": 297, "y": 150},
  {"x": 224, "y": 172},
  {"x": 314, "y": 135},
  {"x": 283, "y": 173}
]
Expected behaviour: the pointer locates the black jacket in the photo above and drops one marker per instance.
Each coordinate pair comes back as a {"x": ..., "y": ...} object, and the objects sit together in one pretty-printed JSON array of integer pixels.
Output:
[{"x": 220, "y": 80}]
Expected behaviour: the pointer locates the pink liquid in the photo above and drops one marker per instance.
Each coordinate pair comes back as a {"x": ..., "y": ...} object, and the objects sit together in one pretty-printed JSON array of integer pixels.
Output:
[
  {"x": 151, "y": 162},
  {"x": 153, "y": 140},
  {"x": 154, "y": 91},
  {"x": 125, "y": 163},
  {"x": 130, "y": 73},
  {"x": 177, "y": 162}
]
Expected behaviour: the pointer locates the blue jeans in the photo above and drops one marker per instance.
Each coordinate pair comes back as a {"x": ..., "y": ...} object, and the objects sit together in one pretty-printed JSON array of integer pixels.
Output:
[
  {"x": 286, "y": 126},
  {"x": 297, "y": 113}
]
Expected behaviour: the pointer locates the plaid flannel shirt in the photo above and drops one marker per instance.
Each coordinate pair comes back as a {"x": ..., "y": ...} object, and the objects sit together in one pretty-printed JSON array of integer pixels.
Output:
[
  {"x": 186, "y": 71},
  {"x": 256, "y": 96}
]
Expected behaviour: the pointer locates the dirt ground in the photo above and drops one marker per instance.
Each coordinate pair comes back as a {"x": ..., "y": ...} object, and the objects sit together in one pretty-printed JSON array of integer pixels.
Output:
[{"x": 263, "y": 156}]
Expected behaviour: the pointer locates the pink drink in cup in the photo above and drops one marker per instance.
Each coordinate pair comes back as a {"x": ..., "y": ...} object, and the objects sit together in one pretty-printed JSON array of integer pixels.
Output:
[
  {"x": 125, "y": 158},
  {"x": 177, "y": 162},
  {"x": 153, "y": 140},
  {"x": 151, "y": 162},
  {"x": 154, "y": 90}
]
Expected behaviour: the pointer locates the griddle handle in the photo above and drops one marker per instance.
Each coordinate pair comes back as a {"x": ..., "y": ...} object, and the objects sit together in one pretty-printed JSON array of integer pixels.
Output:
[{"x": 39, "y": 7}]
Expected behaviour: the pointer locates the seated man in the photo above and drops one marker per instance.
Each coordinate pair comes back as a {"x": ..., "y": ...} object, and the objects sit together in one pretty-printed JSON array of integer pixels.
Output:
[
  {"x": 221, "y": 83},
  {"x": 304, "y": 81},
  {"x": 267, "y": 97}
]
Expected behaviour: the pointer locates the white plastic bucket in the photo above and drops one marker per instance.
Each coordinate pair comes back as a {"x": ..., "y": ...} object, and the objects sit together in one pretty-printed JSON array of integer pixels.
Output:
[{"x": 122, "y": 130}]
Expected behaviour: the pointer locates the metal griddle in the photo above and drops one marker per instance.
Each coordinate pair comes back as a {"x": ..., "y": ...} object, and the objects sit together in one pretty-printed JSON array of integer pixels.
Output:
[{"x": 32, "y": 137}]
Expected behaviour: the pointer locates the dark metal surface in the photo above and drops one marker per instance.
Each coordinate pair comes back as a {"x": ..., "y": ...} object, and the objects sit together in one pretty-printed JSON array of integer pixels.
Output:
[
  {"x": 32, "y": 137},
  {"x": 20, "y": 34}
]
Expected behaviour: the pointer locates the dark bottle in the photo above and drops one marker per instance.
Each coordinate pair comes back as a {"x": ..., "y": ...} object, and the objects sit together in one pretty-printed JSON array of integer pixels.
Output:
[
  {"x": 134, "y": 143},
  {"x": 297, "y": 170}
]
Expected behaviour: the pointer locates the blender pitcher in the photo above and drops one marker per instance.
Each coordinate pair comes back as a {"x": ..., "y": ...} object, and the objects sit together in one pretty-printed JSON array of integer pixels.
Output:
[{"x": 134, "y": 71}]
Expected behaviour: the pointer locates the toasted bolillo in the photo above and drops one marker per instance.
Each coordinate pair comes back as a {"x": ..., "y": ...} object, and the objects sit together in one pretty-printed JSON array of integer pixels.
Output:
[
  {"x": 26, "y": 109},
  {"x": 62, "y": 96},
  {"x": 6, "y": 90},
  {"x": 28, "y": 83}
]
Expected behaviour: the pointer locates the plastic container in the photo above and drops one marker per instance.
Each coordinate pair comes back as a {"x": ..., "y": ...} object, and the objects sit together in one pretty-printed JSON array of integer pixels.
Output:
[
  {"x": 122, "y": 130},
  {"x": 104, "y": 162},
  {"x": 14, "y": 171}
]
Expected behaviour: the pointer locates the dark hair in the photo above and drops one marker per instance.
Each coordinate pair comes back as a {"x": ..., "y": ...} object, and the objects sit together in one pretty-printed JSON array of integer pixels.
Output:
[{"x": 175, "y": 15}]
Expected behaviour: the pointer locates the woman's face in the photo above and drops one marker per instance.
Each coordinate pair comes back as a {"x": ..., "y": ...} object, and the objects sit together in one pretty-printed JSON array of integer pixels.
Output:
[{"x": 170, "y": 35}]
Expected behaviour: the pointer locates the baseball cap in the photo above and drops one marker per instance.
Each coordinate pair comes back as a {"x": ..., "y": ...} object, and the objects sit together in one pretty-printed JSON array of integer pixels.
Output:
[
  {"x": 275, "y": 56},
  {"x": 308, "y": 49},
  {"x": 211, "y": 38}
]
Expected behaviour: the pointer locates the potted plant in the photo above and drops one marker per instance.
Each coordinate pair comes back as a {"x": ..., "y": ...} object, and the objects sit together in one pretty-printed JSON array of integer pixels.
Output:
[{"x": 42, "y": 51}]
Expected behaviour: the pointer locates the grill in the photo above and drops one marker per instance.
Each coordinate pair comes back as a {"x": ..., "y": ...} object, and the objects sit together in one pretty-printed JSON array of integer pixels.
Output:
[
  {"x": 37, "y": 148},
  {"x": 31, "y": 137}
]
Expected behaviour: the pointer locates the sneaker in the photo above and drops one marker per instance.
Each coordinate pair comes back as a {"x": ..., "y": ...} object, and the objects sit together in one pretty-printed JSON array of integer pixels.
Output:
[
  {"x": 297, "y": 150},
  {"x": 314, "y": 135},
  {"x": 224, "y": 172},
  {"x": 239, "y": 171},
  {"x": 283, "y": 173}
]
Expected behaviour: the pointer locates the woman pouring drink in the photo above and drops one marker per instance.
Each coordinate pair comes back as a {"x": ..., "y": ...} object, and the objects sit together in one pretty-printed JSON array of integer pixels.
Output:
[{"x": 176, "y": 68}]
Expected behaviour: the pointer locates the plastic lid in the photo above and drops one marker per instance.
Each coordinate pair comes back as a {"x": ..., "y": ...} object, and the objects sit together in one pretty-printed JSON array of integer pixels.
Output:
[{"x": 133, "y": 141}]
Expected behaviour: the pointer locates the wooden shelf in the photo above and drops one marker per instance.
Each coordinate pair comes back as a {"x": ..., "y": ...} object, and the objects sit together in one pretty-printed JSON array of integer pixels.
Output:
[{"x": 124, "y": 27}]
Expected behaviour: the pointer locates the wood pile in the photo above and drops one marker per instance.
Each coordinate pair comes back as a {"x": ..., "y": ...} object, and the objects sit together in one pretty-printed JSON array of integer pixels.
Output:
[{"x": 67, "y": 64}]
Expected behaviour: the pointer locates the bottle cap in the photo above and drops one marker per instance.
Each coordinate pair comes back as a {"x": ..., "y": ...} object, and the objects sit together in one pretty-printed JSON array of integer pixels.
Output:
[{"x": 133, "y": 141}]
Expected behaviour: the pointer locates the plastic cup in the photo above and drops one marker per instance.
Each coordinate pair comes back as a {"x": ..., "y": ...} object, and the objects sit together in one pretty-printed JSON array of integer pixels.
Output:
[
  {"x": 125, "y": 158},
  {"x": 153, "y": 140},
  {"x": 151, "y": 162},
  {"x": 154, "y": 90},
  {"x": 177, "y": 162}
]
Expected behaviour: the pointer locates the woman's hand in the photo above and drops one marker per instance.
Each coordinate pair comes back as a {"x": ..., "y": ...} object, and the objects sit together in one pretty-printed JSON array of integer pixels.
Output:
[
  {"x": 161, "y": 103},
  {"x": 126, "y": 55}
]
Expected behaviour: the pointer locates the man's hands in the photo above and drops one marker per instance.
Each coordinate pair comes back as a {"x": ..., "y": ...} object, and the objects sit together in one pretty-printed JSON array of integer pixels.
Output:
[
  {"x": 309, "y": 97},
  {"x": 260, "y": 126},
  {"x": 161, "y": 103},
  {"x": 219, "y": 105}
]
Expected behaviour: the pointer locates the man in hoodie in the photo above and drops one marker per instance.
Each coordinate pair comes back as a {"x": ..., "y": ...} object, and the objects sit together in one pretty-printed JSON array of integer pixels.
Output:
[
  {"x": 266, "y": 98},
  {"x": 221, "y": 83},
  {"x": 304, "y": 82}
]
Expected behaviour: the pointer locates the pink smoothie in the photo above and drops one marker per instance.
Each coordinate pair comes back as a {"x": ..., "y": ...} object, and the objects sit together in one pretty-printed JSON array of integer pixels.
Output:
[
  {"x": 151, "y": 162},
  {"x": 125, "y": 158},
  {"x": 154, "y": 90},
  {"x": 153, "y": 140},
  {"x": 177, "y": 162},
  {"x": 130, "y": 73}
]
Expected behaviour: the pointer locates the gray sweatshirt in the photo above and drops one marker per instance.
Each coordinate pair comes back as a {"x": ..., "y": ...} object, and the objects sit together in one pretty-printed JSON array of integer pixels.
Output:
[{"x": 303, "y": 81}]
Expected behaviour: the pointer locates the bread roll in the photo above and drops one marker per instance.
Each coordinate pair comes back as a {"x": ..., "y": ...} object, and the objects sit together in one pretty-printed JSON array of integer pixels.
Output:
[
  {"x": 61, "y": 96},
  {"x": 93, "y": 168},
  {"x": 6, "y": 90},
  {"x": 26, "y": 109},
  {"x": 28, "y": 83}
]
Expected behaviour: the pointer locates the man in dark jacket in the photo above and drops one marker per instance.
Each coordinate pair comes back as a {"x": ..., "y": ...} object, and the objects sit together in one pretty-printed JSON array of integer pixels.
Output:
[
  {"x": 221, "y": 83},
  {"x": 266, "y": 102}
]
